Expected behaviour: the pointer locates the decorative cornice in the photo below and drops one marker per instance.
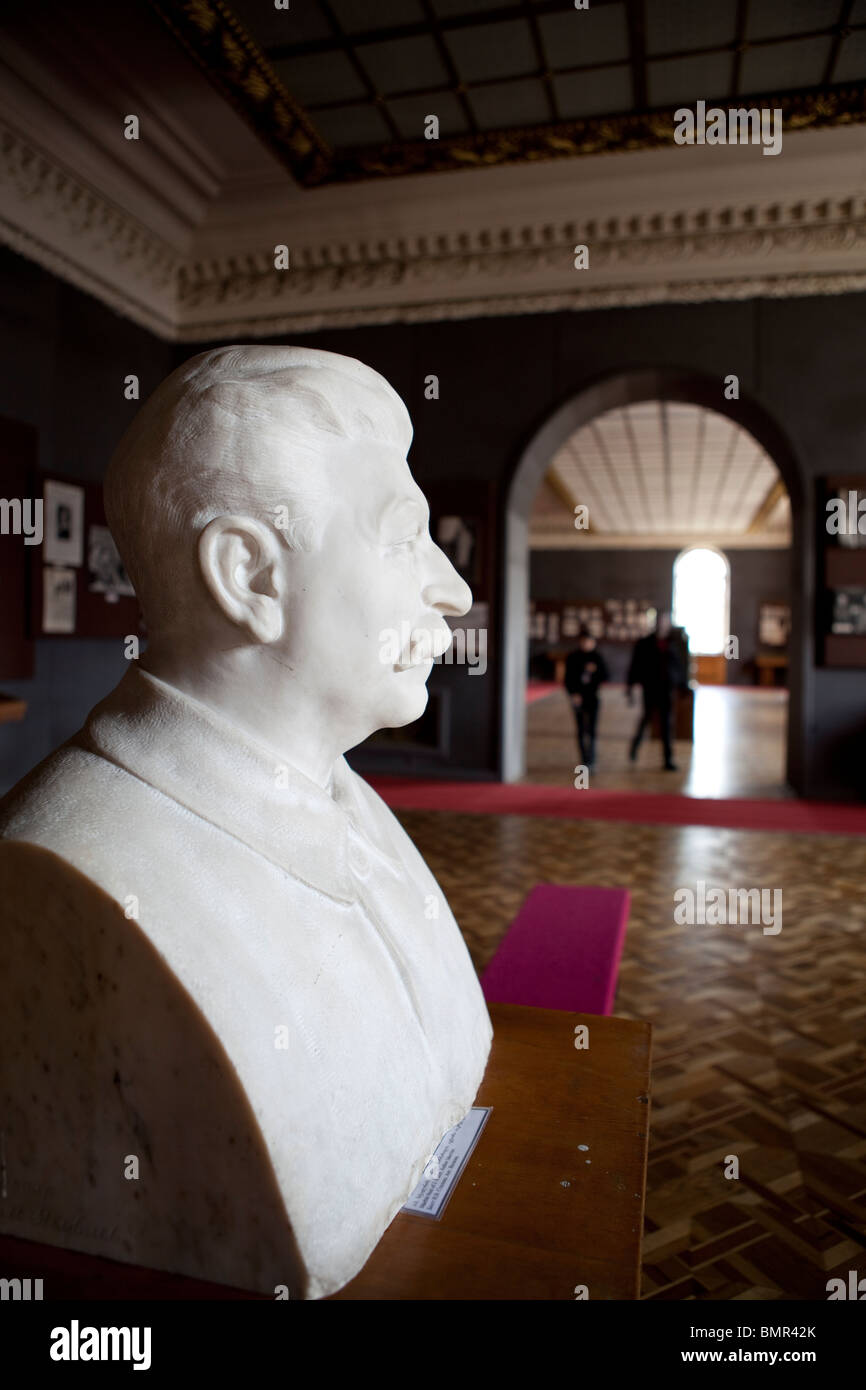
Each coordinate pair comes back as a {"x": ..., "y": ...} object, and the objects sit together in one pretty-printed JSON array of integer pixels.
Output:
[
  {"x": 686, "y": 256},
  {"x": 461, "y": 275},
  {"x": 612, "y": 297},
  {"x": 827, "y": 225},
  {"x": 54, "y": 218}
]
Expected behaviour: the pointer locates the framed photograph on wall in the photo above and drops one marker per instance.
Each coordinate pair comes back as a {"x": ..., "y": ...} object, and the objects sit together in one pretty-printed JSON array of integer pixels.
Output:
[
  {"x": 103, "y": 603},
  {"x": 58, "y": 599},
  {"x": 849, "y": 612},
  {"x": 774, "y": 624},
  {"x": 63, "y": 543},
  {"x": 840, "y": 592},
  {"x": 105, "y": 572}
]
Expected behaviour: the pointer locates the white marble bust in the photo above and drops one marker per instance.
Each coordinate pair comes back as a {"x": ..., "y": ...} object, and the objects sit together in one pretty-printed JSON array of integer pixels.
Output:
[{"x": 236, "y": 1013}]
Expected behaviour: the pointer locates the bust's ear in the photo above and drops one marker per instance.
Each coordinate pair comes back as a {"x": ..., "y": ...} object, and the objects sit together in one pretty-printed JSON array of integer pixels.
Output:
[{"x": 238, "y": 558}]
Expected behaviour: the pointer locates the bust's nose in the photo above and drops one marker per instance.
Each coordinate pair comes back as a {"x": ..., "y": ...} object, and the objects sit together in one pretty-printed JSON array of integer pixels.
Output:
[{"x": 443, "y": 588}]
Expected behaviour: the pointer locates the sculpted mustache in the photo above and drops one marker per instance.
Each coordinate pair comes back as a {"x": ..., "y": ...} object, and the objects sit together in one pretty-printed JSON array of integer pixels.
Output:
[
  {"x": 414, "y": 643},
  {"x": 427, "y": 643}
]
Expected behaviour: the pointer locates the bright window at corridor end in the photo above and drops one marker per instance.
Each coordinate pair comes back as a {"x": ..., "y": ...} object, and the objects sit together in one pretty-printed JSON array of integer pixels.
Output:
[{"x": 701, "y": 599}]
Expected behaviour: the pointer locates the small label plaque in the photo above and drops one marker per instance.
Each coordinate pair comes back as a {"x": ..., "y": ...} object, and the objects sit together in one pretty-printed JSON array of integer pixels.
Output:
[{"x": 447, "y": 1163}]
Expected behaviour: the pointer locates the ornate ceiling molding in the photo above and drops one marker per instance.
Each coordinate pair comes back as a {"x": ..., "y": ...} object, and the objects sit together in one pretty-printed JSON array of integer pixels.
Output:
[
  {"x": 571, "y": 139},
  {"x": 57, "y": 220},
  {"x": 509, "y": 252},
  {"x": 531, "y": 269},
  {"x": 238, "y": 69},
  {"x": 735, "y": 251},
  {"x": 240, "y": 325}
]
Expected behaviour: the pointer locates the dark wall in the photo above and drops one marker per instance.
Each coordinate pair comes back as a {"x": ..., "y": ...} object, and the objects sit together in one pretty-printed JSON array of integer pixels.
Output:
[
  {"x": 757, "y": 576},
  {"x": 63, "y": 359}
]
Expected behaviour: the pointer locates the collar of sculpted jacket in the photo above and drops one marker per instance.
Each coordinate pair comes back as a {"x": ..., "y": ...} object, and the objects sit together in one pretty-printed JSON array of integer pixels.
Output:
[{"x": 187, "y": 751}]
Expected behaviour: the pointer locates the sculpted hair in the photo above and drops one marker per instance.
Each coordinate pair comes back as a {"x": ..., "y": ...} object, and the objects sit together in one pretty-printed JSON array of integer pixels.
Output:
[{"x": 237, "y": 430}]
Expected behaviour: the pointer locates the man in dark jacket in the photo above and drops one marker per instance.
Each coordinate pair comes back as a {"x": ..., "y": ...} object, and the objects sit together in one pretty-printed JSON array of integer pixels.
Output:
[
  {"x": 656, "y": 666},
  {"x": 585, "y": 670}
]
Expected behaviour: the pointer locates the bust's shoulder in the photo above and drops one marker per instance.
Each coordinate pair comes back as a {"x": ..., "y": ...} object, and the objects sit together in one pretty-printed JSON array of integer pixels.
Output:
[{"x": 74, "y": 797}]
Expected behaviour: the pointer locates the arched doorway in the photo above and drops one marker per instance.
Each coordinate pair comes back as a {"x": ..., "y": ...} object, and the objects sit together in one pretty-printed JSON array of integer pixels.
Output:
[{"x": 621, "y": 389}]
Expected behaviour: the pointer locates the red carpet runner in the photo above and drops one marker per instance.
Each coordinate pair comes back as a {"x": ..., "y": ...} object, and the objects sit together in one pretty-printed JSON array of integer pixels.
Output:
[{"x": 637, "y": 808}]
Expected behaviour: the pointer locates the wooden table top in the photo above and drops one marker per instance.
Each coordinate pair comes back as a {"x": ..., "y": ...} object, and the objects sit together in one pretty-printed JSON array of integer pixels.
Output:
[{"x": 534, "y": 1214}]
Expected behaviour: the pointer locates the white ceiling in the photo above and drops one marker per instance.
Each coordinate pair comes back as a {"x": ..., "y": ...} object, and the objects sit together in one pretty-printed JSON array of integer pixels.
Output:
[{"x": 661, "y": 472}]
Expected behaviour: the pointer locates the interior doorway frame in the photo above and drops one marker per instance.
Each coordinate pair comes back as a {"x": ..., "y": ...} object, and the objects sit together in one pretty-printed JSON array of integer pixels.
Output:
[{"x": 615, "y": 389}]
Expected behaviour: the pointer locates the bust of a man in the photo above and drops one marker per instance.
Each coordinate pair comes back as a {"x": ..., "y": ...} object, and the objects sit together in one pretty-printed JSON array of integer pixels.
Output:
[{"x": 236, "y": 1013}]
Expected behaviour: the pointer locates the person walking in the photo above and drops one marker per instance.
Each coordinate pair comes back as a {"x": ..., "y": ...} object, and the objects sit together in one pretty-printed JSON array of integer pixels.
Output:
[
  {"x": 656, "y": 666},
  {"x": 585, "y": 671}
]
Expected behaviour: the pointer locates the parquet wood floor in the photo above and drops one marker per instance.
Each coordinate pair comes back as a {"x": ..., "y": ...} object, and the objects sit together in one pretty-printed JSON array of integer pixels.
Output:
[{"x": 759, "y": 1040}]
